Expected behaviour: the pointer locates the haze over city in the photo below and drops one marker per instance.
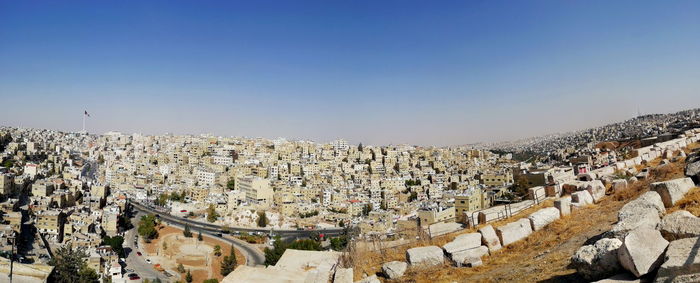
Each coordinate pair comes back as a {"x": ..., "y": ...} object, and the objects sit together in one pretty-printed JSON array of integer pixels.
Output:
[{"x": 388, "y": 72}]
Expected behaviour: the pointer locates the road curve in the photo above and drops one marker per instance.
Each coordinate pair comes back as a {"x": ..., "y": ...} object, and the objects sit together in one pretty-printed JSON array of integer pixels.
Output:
[
  {"x": 252, "y": 254},
  {"x": 281, "y": 232}
]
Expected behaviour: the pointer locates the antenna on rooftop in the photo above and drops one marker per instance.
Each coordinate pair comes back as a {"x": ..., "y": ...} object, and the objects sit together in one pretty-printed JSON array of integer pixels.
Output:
[{"x": 639, "y": 114}]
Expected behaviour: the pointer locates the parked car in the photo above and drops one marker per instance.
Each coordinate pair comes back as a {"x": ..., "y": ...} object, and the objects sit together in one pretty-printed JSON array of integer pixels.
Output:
[{"x": 138, "y": 253}]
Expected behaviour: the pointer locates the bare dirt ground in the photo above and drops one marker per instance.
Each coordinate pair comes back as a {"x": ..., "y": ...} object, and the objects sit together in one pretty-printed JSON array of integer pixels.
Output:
[
  {"x": 542, "y": 257},
  {"x": 197, "y": 256}
]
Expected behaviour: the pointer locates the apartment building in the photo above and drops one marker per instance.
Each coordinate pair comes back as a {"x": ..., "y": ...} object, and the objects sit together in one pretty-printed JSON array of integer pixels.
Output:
[{"x": 257, "y": 190}]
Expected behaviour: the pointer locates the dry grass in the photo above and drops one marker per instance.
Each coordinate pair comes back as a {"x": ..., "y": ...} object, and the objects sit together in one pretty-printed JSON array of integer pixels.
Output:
[
  {"x": 690, "y": 203},
  {"x": 372, "y": 260},
  {"x": 544, "y": 255}
]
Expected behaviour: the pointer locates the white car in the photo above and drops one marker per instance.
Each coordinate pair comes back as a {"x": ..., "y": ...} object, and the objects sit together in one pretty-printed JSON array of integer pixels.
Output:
[{"x": 148, "y": 260}]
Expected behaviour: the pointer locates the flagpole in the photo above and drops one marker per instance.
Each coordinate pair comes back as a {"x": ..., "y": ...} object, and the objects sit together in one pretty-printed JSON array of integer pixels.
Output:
[{"x": 83, "y": 122}]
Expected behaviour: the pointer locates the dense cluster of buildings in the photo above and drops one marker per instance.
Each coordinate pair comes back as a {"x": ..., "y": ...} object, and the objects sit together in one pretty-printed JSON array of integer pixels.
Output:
[{"x": 60, "y": 189}]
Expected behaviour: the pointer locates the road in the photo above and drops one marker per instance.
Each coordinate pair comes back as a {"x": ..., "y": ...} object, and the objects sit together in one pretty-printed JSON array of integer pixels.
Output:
[
  {"x": 136, "y": 262},
  {"x": 252, "y": 254},
  {"x": 284, "y": 233}
]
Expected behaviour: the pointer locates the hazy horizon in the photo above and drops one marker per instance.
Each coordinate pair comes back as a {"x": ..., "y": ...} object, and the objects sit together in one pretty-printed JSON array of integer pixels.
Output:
[{"x": 395, "y": 72}]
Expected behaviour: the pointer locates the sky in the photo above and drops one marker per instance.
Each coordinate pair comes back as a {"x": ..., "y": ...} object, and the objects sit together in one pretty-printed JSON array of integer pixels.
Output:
[{"x": 376, "y": 72}]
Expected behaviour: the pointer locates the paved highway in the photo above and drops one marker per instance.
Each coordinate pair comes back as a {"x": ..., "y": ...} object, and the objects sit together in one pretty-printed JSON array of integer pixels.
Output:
[
  {"x": 252, "y": 254},
  {"x": 284, "y": 233}
]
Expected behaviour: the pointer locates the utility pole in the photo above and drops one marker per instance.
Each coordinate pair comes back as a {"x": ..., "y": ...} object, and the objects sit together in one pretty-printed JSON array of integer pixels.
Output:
[{"x": 12, "y": 254}]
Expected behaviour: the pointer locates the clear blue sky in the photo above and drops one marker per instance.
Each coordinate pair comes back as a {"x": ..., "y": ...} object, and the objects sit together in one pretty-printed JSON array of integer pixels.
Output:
[{"x": 378, "y": 72}]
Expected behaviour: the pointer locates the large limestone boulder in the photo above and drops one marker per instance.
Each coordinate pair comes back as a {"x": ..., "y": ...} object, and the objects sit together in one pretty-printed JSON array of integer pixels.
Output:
[
  {"x": 343, "y": 275},
  {"x": 620, "y": 278},
  {"x": 463, "y": 242},
  {"x": 430, "y": 255},
  {"x": 619, "y": 185},
  {"x": 681, "y": 262},
  {"x": 648, "y": 200},
  {"x": 643, "y": 211},
  {"x": 645, "y": 218},
  {"x": 563, "y": 205},
  {"x": 470, "y": 257},
  {"x": 599, "y": 260},
  {"x": 673, "y": 190},
  {"x": 489, "y": 238},
  {"x": 370, "y": 279},
  {"x": 543, "y": 217},
  {"x": 642, "y": 251},
  {"x": 515, "y": 231},
  {"x": 597, "y": 190},
  {"x": 394, "y": 269},
  {"x": 581, "y": 198},
  {"x": 678, "y": 225},
  {"x": 692, "y": 167}
]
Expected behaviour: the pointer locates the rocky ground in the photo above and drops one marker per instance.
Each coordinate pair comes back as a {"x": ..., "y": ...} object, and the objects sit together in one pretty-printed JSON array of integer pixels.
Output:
[{"x": 544, "y": 256}]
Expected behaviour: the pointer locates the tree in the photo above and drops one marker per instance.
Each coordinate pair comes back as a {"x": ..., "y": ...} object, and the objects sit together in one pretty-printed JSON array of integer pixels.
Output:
[
  {"x": 360, "y": 147},
  {"x": 341, "y": 223},
  {"x": 413, "y": 196},
  {"x": 147, "y": 227},
  {"x": 165, "y": 246},
  {"x": 366, "y": 209},
  {"x": 70, "y": 266},
  {"x": 212, "y": 280},
  {"x": 217, "y": 250},
  {"x": 211, "y": 214},
  {"x": 162, "y": 199},
  {"x": 188, "y": 277},
  {"x": 229, "y": 263},
  {"x": 187, "y": 233},
  {"x": 262, "y": 219},
  {"x": 100, "y": 159},
  {"x": 180, "y": 268},
  {"x": 279, "y": 246},
  {"x": 339, "y": 243},
  {"x": 116, "y": 243},
  {"x": 199, "y": 236},
  {"x": 231, "y": 184}
]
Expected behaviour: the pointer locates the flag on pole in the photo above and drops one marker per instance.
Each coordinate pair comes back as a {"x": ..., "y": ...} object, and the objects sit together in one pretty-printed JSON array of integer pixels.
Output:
[{"x": 86, "y": 114}]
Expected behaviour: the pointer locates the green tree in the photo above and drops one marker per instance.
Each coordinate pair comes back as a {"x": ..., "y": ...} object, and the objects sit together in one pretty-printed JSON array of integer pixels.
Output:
[
  {"x": 212, "y": 280},
  {"x": 188, "y": 277},
  {"x": 162, "y": 199},
  {"x": 211, "y": 214},
  {"x": 180, "y": 268},
  {"x": 339, "y": 243},
  {"x": 70, "y": 266},
  {"x": 165, "y": 246},
  {"x": 231, "y": 184},
  {"x": 116, "y": 243},
  {"x": 217, "y": 250},
  {"x": 262, "y": 219},
  {"x": 199, "y": 236},
  {"x": 229, "y": 263},
  {"x": 147, "y": 227},
  {"x": 100, "y": 159},
  {"x": 413, "y": 196},
  {"x": 187, "y": 233},
  {"x": 272, "y": 255}
]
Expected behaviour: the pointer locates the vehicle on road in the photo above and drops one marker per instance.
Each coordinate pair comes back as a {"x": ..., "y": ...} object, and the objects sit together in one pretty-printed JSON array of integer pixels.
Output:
[
  {"x": 148, "y": 260},
  {"x": 138, "y": 253}
]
